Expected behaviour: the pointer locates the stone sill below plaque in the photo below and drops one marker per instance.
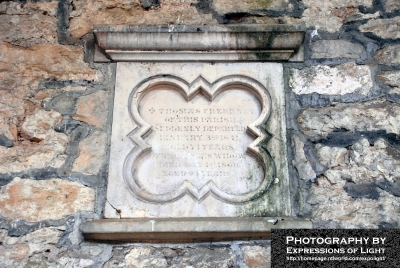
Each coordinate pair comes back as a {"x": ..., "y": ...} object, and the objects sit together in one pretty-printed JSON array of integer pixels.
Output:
[{"x": 189, "y": 230}]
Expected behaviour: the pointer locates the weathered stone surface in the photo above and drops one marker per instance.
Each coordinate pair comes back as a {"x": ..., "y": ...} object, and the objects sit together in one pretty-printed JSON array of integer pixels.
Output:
[
  {"x": 27, "y": 24},
  {"x": 330, "y": 202},
  {"x": 335, "y": 49},
  {"x": 361, "y": 163},
  {"x": 139, "y": 257},
  {"x": 360, "y": 16},
  {"x": 52, "y": 96},
  {"x": 36, "y": 249},
  {"x": 300, "y": 161},
  {"x": 390, "y": 78},
  {"x": 40, "y": 125},
  {"x": 92, "y": 108},
  {"x": 43, "y": 200},
  {"x": 28, "y": 30},
  {"x": 392, "y": 5},
  {"x": 169, "y": 257},
  {"x": 236, "y": 6},
  {"x": 256, "y": 256},
  {"x": 368, "y": 116},
  {"x": 330, "y": 15},
  {"x": 395, "y": 90},
  {"x": 22, "y": 69},
  {"x": 92, "y": 154},
  {"x": 384, "y": 28},
  {"x": 24, "y": 156},
  {"x": 11, "y": 109},
  {"x": 389, "y": 55},
  {"x": 346, "y": 78},
  {"x": 28, "y": 8},
  {"x": 40, "y": 147},
  {"x": 87, "y": 14}
]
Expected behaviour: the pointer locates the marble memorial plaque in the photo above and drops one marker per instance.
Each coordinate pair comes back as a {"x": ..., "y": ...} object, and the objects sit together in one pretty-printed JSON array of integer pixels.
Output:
[{"x": 198, "y": 140}]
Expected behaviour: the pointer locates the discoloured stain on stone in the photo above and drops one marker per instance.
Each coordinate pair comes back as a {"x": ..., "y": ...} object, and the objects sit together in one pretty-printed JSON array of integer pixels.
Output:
[{"x": 43, "y": 200}]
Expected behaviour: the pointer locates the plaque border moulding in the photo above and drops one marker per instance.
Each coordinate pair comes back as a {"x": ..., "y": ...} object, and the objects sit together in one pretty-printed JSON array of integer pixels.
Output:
[{"x": 195, "y": 43}]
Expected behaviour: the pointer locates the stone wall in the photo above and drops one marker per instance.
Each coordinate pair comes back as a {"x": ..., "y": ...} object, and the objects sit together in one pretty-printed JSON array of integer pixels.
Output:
[{"x": 342, "y": 107}]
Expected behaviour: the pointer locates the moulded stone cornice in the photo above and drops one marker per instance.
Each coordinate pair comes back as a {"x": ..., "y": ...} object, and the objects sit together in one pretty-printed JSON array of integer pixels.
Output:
[{"x": 206, "y": 43}]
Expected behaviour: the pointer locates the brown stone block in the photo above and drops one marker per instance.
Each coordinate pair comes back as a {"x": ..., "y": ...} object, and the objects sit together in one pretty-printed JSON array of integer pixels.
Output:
[
  {"x": 22, "y": 69},
  {"x": 92, "y": 154},
  {"x": 384, "y": 28},
  {"x": 389, "y": 55},
  {"x": 92, "y": 109},
  {"x": 87, "y": 14},
  {"x": 235, "y": 6},
  {"x": 33, "y": 200}
]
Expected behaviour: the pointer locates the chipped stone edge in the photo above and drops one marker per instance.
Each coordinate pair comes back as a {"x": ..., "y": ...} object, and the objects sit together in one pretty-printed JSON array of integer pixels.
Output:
[
  {"x": 179, "y": 43},
  {"x": 188, "y": 229}
]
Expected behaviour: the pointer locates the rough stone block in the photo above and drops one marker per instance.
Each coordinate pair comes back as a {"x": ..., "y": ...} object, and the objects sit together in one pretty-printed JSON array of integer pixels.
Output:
[
  {"x": 27, "y": 24},
  {"x": 92, "y": 108},
  {"x": 392, "y": 5},
  {"x": 87, "y": 14},
  {"x": 348, "y": 194},
  {"x": 43, "y": 200},
  {"x": 171, "y": 257},
  {"x": 368, "y": 116},
  {"x": 41, "y": 146},
  {"x": 36, "y": 248},
  {"x": 330, "y": 15},
  {"x": 28, "y": 30},
  {"x": 390, "y": 78},
  {"x": 12, "y": 108},
  {"x": 335, "y": 49},
  {"x": 344, "y": 79},
  {"x": 237, "y": 6},
  {"x": 384, "y": 28},
  {"x": 300, "y": 161},
  {"x": 92, "y": 154},
  {"x": 257, "y": 256},
  {"x": 22, "y": 69},
  {"x": 389, "y": 55}
]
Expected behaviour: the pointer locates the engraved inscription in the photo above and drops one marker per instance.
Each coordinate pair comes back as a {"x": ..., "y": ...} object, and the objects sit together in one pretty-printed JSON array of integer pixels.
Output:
[{"x": 198, "y": 145}]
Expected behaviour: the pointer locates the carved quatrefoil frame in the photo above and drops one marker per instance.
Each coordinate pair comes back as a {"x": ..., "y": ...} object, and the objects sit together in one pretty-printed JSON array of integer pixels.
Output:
[{"x": 189, "y": 90}]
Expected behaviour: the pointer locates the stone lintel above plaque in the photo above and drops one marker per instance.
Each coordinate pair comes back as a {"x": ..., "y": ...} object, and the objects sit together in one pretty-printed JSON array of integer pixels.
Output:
[
  {"x": 203, "y": 43},
  {"x": 184, "y": 230}
]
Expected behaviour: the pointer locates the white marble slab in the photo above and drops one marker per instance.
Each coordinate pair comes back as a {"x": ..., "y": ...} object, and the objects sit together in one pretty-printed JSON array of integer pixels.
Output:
[{"x": 188, "y": 141}]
